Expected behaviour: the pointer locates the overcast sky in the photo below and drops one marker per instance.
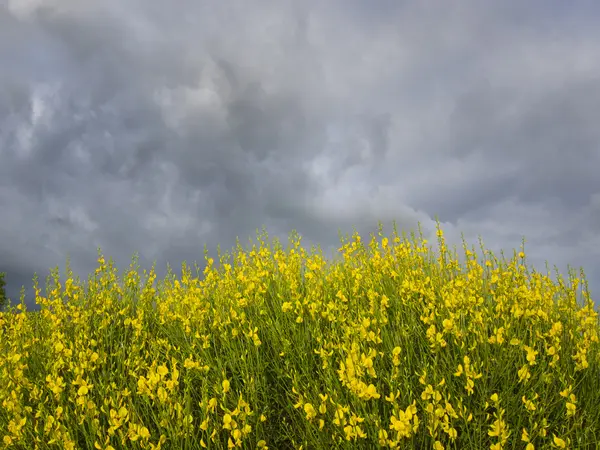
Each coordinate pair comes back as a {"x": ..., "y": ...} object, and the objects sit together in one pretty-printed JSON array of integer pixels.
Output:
[{"x": 159, "y": 126}]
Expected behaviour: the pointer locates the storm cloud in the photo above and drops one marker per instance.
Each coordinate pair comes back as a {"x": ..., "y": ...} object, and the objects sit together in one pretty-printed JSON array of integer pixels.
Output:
[{"x": 159, "y": 126}]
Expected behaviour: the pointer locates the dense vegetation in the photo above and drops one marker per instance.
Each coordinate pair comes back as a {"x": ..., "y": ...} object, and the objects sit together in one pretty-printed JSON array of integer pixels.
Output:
[
  {"x": 3, "y": 298},
  {"x": 395, "y": 345}
]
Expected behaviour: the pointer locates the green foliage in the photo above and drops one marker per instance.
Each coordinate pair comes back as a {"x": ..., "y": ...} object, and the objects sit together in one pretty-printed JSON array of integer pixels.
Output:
[
  {"x": 393, "y": 345},
  {"x": 3, "y": 298}
]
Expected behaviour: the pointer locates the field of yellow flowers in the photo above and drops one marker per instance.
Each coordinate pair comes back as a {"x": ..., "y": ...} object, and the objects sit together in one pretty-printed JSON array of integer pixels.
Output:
[{"x": 393, "y": 346}]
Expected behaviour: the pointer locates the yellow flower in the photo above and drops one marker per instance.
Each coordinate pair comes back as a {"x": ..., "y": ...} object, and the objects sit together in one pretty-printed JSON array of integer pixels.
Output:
[
  {"x": 524, "y": 374},
  {"x": 531, "y": 353},
  {"x": 370, "y": 392},
  {"x": 452, "y": 433},
  {"x": 225, "y": 385},
  {"x": 448, "y": 324},
  {"x": 204, "y": 425},
  {"x": 162, "y": 370},
  {"x": 212, "y": 404},
  {"x": 310, "y": 411},
  {"x": 566, "y": 392},
  {"x": 382, "y": 436},
  {"x": 558, "y": 442},
  {"x": 529, "y": 405}
]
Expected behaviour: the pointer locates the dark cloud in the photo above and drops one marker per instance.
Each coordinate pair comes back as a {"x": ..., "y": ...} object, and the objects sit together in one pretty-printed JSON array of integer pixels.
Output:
[{"x": 156, "y": 128}]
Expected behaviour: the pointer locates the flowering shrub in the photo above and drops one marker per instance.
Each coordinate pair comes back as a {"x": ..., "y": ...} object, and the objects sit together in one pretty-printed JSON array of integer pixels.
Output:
[{"x": 394, "y": 346}]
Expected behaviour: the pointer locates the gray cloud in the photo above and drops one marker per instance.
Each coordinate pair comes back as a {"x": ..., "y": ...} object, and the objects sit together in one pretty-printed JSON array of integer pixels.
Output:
[{"x": 154, "y": 127}]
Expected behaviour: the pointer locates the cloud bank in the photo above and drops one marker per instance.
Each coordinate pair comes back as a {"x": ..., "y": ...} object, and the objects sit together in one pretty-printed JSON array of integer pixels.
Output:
[{"x": 158, "y": 127}]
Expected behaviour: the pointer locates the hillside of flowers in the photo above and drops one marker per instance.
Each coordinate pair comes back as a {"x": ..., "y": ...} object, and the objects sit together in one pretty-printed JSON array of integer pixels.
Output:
[{"x": 394, "y": 345}]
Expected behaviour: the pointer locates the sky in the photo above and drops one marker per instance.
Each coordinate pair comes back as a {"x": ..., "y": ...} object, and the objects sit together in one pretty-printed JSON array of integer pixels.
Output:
[{"x": 157, "y": 127}]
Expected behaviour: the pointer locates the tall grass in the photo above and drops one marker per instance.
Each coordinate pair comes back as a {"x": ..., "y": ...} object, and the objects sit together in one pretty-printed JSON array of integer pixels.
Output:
[{"x": 392, "y": 346}]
